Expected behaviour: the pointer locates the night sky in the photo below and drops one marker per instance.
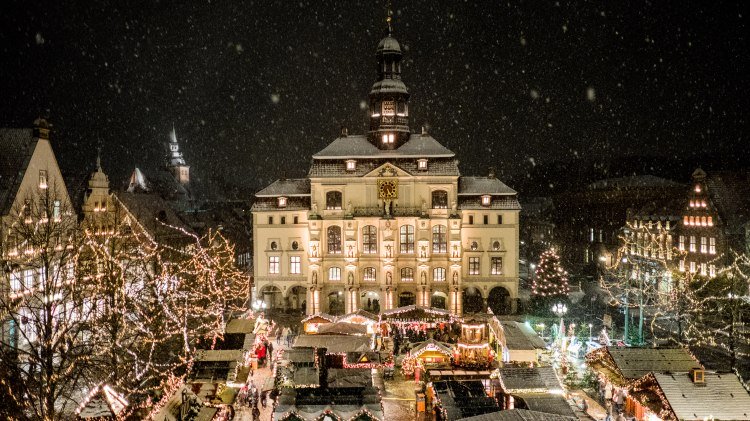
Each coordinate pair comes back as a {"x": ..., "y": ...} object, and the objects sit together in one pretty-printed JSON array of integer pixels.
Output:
[{"x": 254, "y": 88}]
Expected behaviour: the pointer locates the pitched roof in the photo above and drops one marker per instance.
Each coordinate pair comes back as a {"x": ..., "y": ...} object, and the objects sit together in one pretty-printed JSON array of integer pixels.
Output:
[
  {"x": 334, "y": 168},
  {"x": 722, "y": 396},
  {"x": 634, "y": 363},
  {"x": 518, "y": 415},
  {"x": 525, "y": 379},
  {"x": 154, "y": 214},
  {"x": 16, "y": 148},
  {"x": 469, "y": 186},
  {"x": 342, "y": 328},
  {"x": 101, "y": 403},
  {"x": 334, "y": 344},
  {"x": 519, "y": 336},
  {"x": 358, "y": 147},
  {"x": 502, "y": 202},
  {"x": 550, "y": 404},
  {"x": 431, "y": 345},
  {"x": 637, "y": 181},
  {"x": 295, "y": 187}
]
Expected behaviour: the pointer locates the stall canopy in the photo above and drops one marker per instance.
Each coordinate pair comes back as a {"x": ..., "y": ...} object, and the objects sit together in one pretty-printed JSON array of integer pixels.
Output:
[
  {"x": 342, "y": 328},
  {"x": 514, "y": 380},
  {"x": 621, "y": 365},
  {"x": 334, "y": 344},
  {"x": 360, "y": 316}
]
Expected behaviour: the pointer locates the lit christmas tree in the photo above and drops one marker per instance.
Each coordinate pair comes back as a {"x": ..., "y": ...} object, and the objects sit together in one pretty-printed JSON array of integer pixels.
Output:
[{"x": 550, "y": 281}]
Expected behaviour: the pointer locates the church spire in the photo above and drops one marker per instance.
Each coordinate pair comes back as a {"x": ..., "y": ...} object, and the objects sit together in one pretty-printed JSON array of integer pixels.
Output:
[
  {"x": 389, "y": 98},
  {"x": 175, "y": 161}
]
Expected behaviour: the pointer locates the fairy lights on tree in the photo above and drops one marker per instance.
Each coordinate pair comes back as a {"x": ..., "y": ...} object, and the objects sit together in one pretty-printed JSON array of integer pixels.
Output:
[{"x": 550, "y": 281}]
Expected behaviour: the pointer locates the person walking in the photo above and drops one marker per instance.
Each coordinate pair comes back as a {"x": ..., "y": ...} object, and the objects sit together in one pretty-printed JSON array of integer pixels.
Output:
[
  {"x": 278, "y": 335},
  {"x": 256, "y": 413}
]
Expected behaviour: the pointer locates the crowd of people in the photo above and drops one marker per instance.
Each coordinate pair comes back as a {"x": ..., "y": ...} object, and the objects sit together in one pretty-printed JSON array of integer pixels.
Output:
[{"x": 613, "y": 399}]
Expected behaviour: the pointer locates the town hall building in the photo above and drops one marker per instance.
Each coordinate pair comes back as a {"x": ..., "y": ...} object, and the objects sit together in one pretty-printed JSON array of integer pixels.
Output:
[{"x": 385, "y": 219}]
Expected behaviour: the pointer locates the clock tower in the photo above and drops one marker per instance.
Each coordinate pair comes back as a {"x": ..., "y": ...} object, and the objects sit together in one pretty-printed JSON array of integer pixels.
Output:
[{"x": 389, "y": 98}]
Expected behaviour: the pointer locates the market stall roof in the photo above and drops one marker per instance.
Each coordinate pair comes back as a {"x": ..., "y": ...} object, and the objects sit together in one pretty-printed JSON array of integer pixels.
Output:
[
  {"x": 518, "y": 415},
  {"x": 431, "y": 345},
  {"x": 317, "y": 412},
  {"x": 417, "y": 313},
  {"x": 721, "y": 397},
  {"x": 206, "y": 413},
  {"x": 547, "y": 403},
  {"x": 464, "y": 398},
  {"x": 299, "y": 355},
  {"x": 219, "y": 355},
  {"x": 334, "y": 344},
  {"x": 240, "y": 326},
  {"x": 312, "y": 404},
  {"x": 529, "y": 380},
  {"x": 306, "y": 377},
  {"x": 371, "y": 357},
  {"x": 319, "y": 317},
  {"x": 349, "y": 377},
  {"x": 101, "y": 403},
  {"x": 520, "y": 336},
  {"x": 342, "y": 328},
  {"x": 634, "y": 363},
  {"x": 358, "y": 315}
]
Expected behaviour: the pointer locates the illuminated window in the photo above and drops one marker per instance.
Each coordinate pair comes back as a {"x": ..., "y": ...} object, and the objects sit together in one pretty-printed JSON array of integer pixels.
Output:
[
  {"x": 473, "y": 265},
  {"x": 334, "y": 274},
  {"x": 369, "y": 239},
  {"x": 486, "y": 200},
  {"x": 685, "y": 220},
  {"x": 703, "y": 221},
  {"x": 704, "y": 245},
  {"x": 294, "y": 265},
  {"x": 681, "y": 244},
  {"x": 42, "y": 179},
  {"x": 407, "y": 275},
  {"x": 422, "y": 164},
  {"x": 438, "y": 275},
  {"x": 282, "y": 202},
  {"x": 334, "y": 239},
  {"x": 692, "y": 243},
  {"x": 712, "y": 270},
  {"x": 710, "y": 221},
  {"x": 369, "y": 274},
  {"x": 15, "y": 282},
  {"x": 388, "y": 138},
  {"x": 682, "y": 266},
  {"x": 28, "y": 279},
  {"x": 56, "y": 210},
  {"x": 712, "y": 245},
  {"x": 692, "y": 267},
  {"x": 273, "y": 265},
  {"x": 697, "y": 188},
  {"x": 496, "y": 266},
  {"x": 440, "y": 199},
  {"x": 351, "y": 165},
  {"x": 703, "y": 269},
  {"x": 439, "y": 241},
  {"x": 333, "y": 200},
  {"x": 407, "y": 239}
]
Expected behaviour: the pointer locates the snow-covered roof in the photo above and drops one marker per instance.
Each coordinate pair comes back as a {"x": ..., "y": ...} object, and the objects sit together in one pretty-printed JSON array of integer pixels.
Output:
[
  {"x": 358, "y": 147},
  {"x": 16, "y": 148},
  {"x": 388, "y": 86},
  {"x": 294, "y": 187},
  {"x": 502, "y": 202},
  {"x": 435, "y": 167},
  {"x": 101, "y": 403},
  {"x": 721, "y": 396},
  {"x": 469, "y": 186}
]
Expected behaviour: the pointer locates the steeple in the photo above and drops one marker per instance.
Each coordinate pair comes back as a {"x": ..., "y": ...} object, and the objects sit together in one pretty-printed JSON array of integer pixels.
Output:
[
  {"x": 176, "y": 162},
  {"x": 96, "y": 198},
  {"x": 389, "y": 98}
]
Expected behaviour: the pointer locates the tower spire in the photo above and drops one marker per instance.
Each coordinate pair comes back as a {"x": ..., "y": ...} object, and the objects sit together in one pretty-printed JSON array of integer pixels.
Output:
[{"x": 389, "y": 17}]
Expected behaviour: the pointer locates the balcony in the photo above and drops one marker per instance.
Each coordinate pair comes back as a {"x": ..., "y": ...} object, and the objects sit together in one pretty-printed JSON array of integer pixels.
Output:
[{"x": 379, "y": 211}]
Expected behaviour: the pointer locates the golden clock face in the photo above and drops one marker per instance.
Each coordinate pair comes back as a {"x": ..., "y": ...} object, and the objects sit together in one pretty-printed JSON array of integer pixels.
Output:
[{"x": 387, "y": 189}]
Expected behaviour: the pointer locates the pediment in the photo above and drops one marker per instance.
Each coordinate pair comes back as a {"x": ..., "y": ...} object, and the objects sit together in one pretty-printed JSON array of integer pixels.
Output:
[{"x": 387, "y": 170}]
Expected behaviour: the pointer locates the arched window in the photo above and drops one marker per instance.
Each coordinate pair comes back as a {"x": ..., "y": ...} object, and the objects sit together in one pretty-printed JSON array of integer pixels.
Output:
[
  {"x": 334, "y": 239},
  {"x": 333, "y": 200},
  {"x": 440, "y": 199},
  {"x": 369, "y": 275},
  {"x": 407, "y": 275},
  {"x": 438, "y": 275},
  {"x": 334, "y": 274},
  {"x": 369, "y": 239},
  {"x": 439, "y": 241},
  {"x": 407, "y": 239}
]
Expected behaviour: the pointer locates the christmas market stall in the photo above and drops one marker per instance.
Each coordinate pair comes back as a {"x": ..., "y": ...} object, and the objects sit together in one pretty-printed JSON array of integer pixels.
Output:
[
  {"x": 533, "y": 388},
  {"x": 311, "y": 323},
  {"x": 360, "y": 317},
  {"x": 473, "y": 348},
  {"x": 522, "y": 345},
  {"x": 695, "y": 395},
  {"x": 102, "y": 403},
  {"x": 432, "y": 354},
  {"x": 452, "y": 400}
]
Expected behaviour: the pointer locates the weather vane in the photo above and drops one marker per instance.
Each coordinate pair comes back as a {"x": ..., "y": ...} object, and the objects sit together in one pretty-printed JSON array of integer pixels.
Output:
[{"x": 389, "y": 16}]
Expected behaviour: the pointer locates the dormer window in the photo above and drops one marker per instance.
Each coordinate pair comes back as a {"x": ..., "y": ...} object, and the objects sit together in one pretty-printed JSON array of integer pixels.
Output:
[
  {"x": 351, "y": 165},
  {"x": 486, "y": 200},
  {"x": 282, "y": 202},
  {"x": 422, "y": 164},
  {"x": 388, "y": 138}
]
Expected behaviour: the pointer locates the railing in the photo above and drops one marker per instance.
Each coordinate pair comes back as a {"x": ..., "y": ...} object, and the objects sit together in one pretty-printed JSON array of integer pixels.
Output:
[{"x": 380, "y": 211}]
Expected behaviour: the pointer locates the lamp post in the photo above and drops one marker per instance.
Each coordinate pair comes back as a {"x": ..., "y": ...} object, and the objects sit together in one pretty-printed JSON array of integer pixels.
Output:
[
  {"x": 590, "y": 326},
  {"x": 561, "y": 310}
]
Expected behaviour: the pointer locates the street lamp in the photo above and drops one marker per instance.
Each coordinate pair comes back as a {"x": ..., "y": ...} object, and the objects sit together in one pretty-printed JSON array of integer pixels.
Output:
[
  {"x": 590, "y": 326},
  {"x": 560, "y": 310}
]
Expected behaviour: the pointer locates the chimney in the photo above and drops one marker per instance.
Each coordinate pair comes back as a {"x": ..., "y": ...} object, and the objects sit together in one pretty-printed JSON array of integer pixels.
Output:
[
  {"x": 41, "y": 128},
  {"x": 492, "y": 172},
  {"x": 344, "y": 131},
  {"x": 424, "y": 130}
]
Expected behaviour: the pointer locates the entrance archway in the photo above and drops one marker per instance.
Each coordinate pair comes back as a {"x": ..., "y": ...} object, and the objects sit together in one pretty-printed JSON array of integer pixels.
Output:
[
  {"x": 406, "y": 298},
  {"x": 336, "y": 304},
  {"x": 297, "y": 299},
  {"x": 272, "y": 297},
  {"x": 499, "y": 301},
  {"x": 473, "y": 301},
  {"x": 370, "y": 301},
  {"x": 439, "y": 300}
]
